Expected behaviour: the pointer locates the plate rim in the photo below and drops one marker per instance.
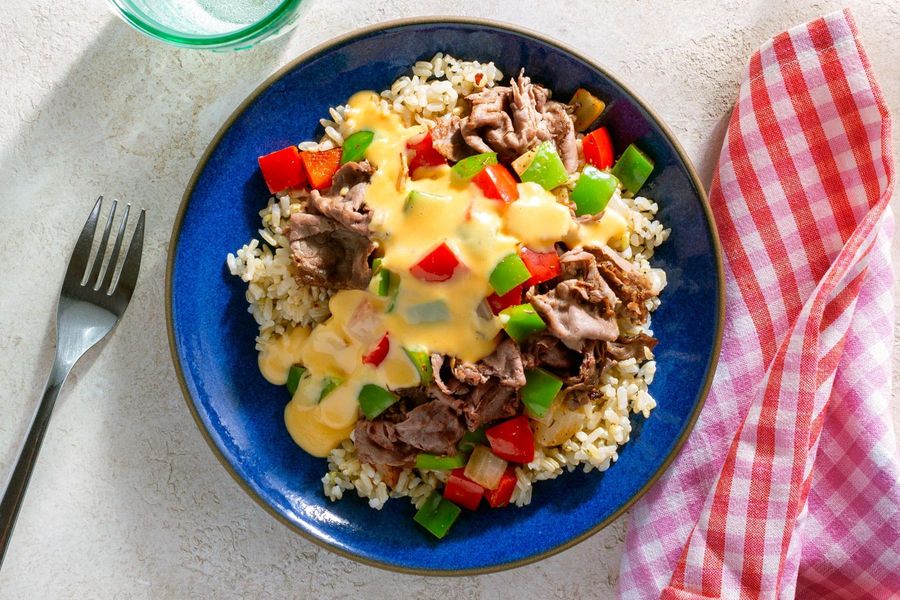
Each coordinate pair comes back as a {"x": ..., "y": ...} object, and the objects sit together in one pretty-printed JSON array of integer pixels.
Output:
[{"x": 442, "y": 20}]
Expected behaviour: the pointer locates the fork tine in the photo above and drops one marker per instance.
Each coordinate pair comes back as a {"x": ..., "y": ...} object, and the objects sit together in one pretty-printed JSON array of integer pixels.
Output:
[
  {"x": 127, "y": 279},
  {"x": 94, "y": 277},
  {"x": 114, "y": 257},
  {"x": 82, "y": 251}
]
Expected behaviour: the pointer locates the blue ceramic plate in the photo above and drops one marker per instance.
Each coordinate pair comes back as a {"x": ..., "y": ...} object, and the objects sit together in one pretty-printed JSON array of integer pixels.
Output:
[{"x": 212, "y": 335}]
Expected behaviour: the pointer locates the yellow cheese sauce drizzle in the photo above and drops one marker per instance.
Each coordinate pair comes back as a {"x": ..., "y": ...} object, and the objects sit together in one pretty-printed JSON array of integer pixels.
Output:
[{"x": 480, "y": 231}]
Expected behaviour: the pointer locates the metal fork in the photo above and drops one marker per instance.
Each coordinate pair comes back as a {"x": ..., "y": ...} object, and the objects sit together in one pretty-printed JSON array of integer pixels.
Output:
[{"x": 91, "y": 302}]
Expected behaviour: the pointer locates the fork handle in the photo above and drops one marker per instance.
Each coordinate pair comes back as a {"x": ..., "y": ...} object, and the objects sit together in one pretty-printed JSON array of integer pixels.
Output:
[{"x": 24, "y": 465}]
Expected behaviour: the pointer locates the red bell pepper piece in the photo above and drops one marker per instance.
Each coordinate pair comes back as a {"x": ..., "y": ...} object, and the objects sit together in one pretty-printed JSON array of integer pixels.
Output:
[
  {"x": 438, "y": 265},
  {"x": 501, "y": 495},
  {"x": 543, "y": 266},
  {"x": 423, "y": 154},
  {"x": 512, "y": 440},
  {"x": 282, "y": 169},
  {"x": 461, "y": 490},
  {"x": 321, "y": 166},
  {"x": 377, "y": 354},
  {"x": 497, "y": 183},
  {"x": 598, "y": 148},
  {"x": 510, "y": 298}
]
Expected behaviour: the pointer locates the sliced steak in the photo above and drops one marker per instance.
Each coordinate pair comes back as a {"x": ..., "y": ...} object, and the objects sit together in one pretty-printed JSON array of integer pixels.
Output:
[
  {"x": 504, "y": 363},
  {"x": 349, "y": 175},
  {"x": 576, "y": 312},
  {"x": 330, "y": 241},
  {"x": 471, "y": 374},
  {"x": 488, "y": 112},
  {"x": 447, "y": 138},
  {"x": 512, "y": 120},
  {"x": 444, "y": 380},
  {"x": 639, "y": 347},
  {"x": 631, "y": 287},
  {"x": 562, "y": 130},
  {"x": 526, "y": 116},
  {"x": 584, "y": 386},
  {"x": 578, "y": 263},
  {"x": 378, "y": 445},
  {"x": 327, "y": 254},
  {"x": 348, "y": 211},
  {"x": 432, "y": 427},
  {"x": 491, "y": 401},
  {"x": 549, "y": 352}
]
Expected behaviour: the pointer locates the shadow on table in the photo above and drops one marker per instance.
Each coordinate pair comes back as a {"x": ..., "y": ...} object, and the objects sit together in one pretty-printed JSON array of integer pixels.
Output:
[
  {"x": 129, "y": 120},
  {"x": 710, "y": 157}
]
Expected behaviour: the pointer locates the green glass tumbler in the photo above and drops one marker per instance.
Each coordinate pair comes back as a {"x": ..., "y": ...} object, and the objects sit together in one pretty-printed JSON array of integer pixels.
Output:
[{"x": 210, "y": 24}]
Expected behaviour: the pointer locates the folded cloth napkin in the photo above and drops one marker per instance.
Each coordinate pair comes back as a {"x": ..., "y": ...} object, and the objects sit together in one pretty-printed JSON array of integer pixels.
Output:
[{"x": 788, "y": 485}]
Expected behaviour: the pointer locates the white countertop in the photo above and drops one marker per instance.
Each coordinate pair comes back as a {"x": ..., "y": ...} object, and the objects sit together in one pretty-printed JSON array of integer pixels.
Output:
[{"x": 127, "y": 501}]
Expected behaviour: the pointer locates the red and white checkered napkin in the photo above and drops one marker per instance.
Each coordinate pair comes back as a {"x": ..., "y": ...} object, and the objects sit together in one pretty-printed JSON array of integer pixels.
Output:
[{"x": 788, "y": 486}]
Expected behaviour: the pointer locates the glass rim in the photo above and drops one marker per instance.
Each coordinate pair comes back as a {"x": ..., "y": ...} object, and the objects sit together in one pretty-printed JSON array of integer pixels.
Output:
[{"x": 200, "y": 40}]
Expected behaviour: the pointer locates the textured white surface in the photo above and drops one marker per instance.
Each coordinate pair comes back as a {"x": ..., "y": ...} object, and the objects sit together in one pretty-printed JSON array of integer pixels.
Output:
[{"x": 127, "y": 500}]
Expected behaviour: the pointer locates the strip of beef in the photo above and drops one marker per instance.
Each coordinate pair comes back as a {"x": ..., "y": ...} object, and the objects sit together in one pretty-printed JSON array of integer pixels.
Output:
[
  {"x": 491, "y": 401},
  {"x": 630, "y": 286},
  {"x": 348, "y": 211},
  {"x": 581, "y": 307},
  {"x": 421, "y": 422},
  {"x": 349, "y": 208},
  {"x": 505, "y": 363},
  {"x": 576, "y": 312},
  {"x": 444, "y": 380},
  {"x": 488, "y": 112},
  {"x": 512, "y": 120},
  {"x": 639, "y": 347},
  {"x": 549, "y": 352},
  {"x": 327, "y": 254},
  {"x": 580, "y": 370},
  {"x": 584, "y": 385},
  {"x": 432, "y": 427},
  {"x": 562, "y": 131},
  {"x": 447, "y": 138},
  {"x": 349, "y": 175},
  {"x": 330, "y": 241},
  {"x": 377, "y": 444}
]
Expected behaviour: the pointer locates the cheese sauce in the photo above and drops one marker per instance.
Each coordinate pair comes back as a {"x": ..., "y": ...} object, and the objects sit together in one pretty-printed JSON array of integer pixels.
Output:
[{"x": 411, "y": 216}]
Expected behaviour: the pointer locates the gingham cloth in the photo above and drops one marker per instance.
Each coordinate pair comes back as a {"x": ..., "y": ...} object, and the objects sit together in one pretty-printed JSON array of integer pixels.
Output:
[{"x": 788, "y": 486}]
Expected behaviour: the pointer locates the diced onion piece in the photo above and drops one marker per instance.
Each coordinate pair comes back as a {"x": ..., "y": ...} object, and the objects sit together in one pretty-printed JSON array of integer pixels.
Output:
[
  {"x": 484, "y": 468},
  {"x": 558, "y": 425},
  {"x": 520, "y": 164},
  {"x": 364, "y": 324}
]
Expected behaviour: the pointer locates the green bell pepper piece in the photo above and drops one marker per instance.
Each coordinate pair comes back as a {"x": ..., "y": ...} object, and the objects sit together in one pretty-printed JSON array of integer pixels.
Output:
[
  {"x": 509, "y": 273},
  {"x": 385, "y": 283},
  {"x": 328, "y": 385},
  {"x": 294, "y": 375},
  {"x": 546, "y": 168},
  {"x": 521, "y": 321},
  {"x": 434, "y": 462},
  {"x": 539, "y": 391},
  {"x": 593, "y": 191},
  {"x": 472, "y": 439},
  {"x": 388, "y": 283},
  {"x": 437, "y": 515},
  {"x": 435, "y": 311},
  {"x": 633, "y": 168},
  {"x": 422, "y": 361},
  {"x": 374, "y": 400},
  {"x": 355, "y": 146},
  {"x": 471, "y": 166}
]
